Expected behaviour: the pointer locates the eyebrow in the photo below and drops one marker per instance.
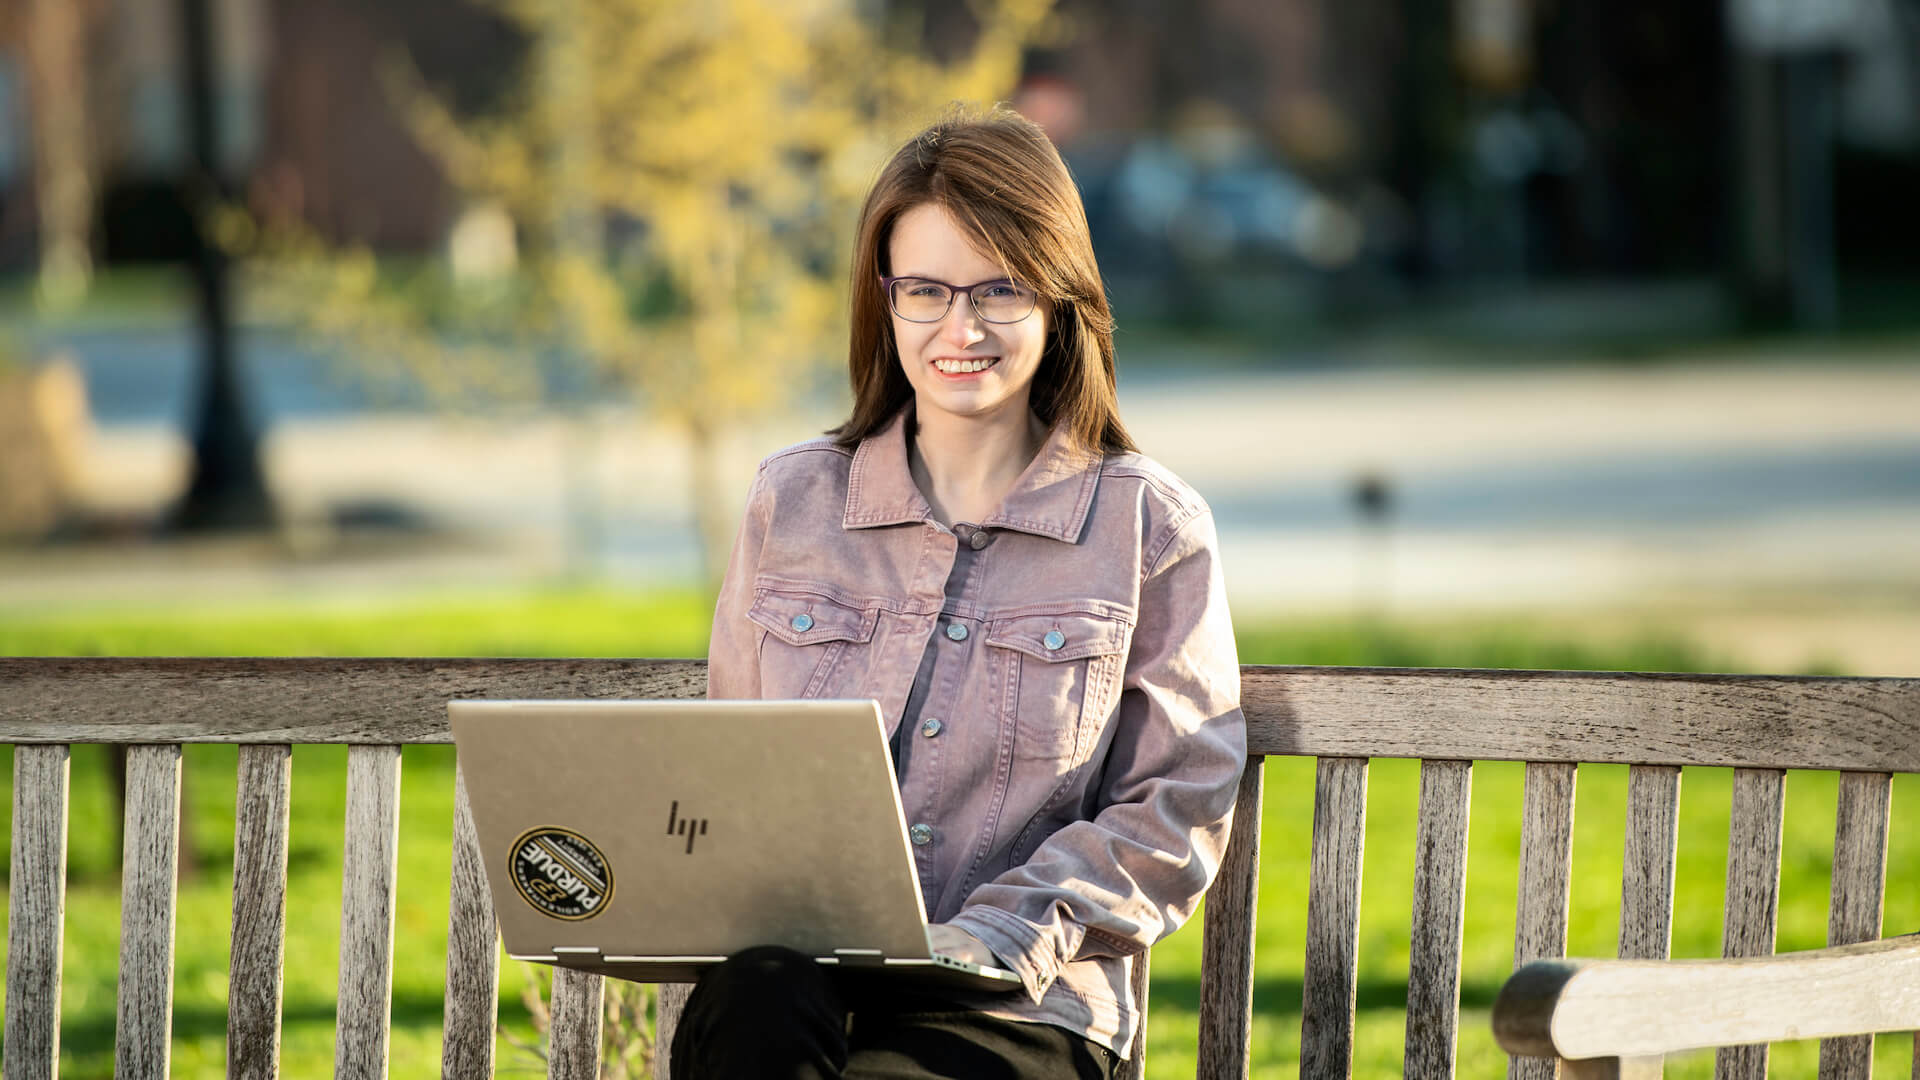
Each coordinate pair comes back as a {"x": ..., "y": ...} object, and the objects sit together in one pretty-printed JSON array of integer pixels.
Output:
[{"x": 937, "y": 281}]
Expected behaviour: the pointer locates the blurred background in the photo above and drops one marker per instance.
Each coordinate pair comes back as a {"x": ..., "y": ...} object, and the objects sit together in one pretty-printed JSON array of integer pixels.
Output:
[
  {"x": 1528, "y": 333},
  {"x": 1602, "y": 315}
]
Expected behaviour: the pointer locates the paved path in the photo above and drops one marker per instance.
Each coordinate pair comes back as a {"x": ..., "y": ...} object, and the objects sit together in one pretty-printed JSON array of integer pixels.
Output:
[{"x": 1583, "y": 488}]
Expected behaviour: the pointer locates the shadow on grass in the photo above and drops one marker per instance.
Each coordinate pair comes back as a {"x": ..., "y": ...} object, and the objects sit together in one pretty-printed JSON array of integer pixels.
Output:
[
  {"x": 415, "y": 1009},
  {"x": 1283, "y": 994}
]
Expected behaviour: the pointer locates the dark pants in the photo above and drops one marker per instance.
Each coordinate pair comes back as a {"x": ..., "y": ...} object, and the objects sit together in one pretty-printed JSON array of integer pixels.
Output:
[{"x": 772, "y": 1014}]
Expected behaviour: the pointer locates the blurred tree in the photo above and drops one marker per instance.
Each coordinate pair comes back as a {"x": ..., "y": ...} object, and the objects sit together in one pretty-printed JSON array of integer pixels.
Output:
[{"x": 686, "y": 179}]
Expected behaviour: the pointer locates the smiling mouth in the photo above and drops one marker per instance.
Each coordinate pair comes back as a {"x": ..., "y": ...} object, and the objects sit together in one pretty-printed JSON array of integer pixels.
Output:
[{"x": 959, "y": 366}]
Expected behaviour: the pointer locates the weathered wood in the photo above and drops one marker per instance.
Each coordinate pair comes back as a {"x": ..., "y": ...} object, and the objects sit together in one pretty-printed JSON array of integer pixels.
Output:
[
  {"x": 1134, "y": 1066},
  {"x": 1226, "y": 949},
  {"x": 149, "y": 865},
  {"x": 298, "y": 700},
  {"x": 368, "y": 877},
  {"x": 667, "y": 1007},
  {"x": 473, "y": 953},
  {"x": 1331, "y": 977},
  {"x": 1439, "y": 918},
  {"x": 259, "y": 910},
  {"x": 1859, "y": 882},
  {"x": 1653, "y": 834},
  {"x": 36, "y": 912},
  {"x": 1546, "y": 883},
  {"x": 1339, "y": 715},
  {"x": 1595, "y": 1008},
  {"x": 1753, "y": 892},
  {"x": 573, "y": 1049},
  {"x": 1722, "y": 720}
]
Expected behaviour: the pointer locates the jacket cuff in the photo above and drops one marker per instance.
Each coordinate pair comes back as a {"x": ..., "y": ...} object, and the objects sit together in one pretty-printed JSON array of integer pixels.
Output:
[{"x": 1020, "y": 945}]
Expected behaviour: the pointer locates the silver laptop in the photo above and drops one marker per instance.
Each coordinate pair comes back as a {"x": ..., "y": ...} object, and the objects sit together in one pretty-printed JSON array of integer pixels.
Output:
[{"x": 649, "y": 840}]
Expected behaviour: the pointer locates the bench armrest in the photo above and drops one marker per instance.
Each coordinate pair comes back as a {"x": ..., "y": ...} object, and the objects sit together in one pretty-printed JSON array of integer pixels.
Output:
[{"x": 1575, "y": 1009}]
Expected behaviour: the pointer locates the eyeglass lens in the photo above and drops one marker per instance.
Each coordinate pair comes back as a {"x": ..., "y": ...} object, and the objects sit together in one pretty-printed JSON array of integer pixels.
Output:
[{"x": 918, "y": 300}]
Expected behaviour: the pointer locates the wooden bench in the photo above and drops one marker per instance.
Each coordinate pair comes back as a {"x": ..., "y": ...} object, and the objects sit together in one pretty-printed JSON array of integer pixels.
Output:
[{"x": 1865, "y": 728}]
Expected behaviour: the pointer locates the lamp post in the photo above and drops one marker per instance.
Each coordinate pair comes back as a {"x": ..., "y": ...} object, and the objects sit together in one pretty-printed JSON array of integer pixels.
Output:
[{"x": 227, "y": 490}]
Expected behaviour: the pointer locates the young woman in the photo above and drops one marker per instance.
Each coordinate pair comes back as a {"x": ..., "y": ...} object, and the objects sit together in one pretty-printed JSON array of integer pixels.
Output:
[{"x": 1037, "y": 608}]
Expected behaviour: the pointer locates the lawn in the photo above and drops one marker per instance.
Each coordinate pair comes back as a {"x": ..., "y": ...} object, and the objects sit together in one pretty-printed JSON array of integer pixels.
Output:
[{"x": 586, "y": 623}]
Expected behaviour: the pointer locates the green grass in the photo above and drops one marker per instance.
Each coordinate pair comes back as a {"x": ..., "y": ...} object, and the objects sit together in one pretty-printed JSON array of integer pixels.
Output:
[{"x": 585, "y": 622}]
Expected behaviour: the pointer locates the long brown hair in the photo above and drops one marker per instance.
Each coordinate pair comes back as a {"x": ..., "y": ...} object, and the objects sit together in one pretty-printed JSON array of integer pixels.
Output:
[{"x": 1004, "y": 184}]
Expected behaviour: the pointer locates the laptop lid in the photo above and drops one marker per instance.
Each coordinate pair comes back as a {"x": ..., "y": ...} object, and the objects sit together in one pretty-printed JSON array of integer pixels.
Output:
[{"x": 689, "y": 830}]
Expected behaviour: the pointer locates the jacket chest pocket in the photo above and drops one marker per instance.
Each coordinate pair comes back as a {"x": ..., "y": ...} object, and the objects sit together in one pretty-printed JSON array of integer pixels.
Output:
[
  {"x": 1062, "y": 675},
  {"x": 807, "y": 640}
]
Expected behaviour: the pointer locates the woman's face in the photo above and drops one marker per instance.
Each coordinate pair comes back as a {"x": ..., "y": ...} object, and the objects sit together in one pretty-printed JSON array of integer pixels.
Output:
[{"x": 938, "y": 357}]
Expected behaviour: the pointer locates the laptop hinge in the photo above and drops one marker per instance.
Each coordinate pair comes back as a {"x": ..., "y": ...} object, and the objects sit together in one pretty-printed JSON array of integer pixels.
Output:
[{"x": 861, "y": 957}]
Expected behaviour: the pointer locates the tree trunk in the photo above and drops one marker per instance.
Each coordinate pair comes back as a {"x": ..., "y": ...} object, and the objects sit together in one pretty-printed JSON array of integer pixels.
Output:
[
  {"x": 63, "y": 158},
  {"x": 712, "y": 524}
]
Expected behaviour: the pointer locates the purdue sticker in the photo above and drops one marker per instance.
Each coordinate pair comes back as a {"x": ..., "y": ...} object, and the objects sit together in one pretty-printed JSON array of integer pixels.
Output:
[{"x": 561, "y": 873}]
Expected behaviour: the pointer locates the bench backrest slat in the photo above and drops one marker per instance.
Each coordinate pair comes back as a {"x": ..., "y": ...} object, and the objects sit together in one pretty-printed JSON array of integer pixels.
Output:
[
  {"x": 1753, "y": 891},
  {"x": 1646, "y": 886},
  {"x": 1859, "y": 880},
  {"x": 1608, "y": 718},
  {"x": 38, "y": 888},
  {"x": 473, "y": 953},
  {"x": 1439, "y": 917},
  {"x": 149, "y": 865},
  {"x": 1226, "y": 946},
  {"x": 1330, "y": 979},
  {"x": 573, "y": 1041},
  {"x": 1546, "y": 881},
  {"x": 368, "y": 875},
  {"x": 1732, "y": 721},
  {"x": 670, "y": 1002},
  {"x": 261, "y": 806}
]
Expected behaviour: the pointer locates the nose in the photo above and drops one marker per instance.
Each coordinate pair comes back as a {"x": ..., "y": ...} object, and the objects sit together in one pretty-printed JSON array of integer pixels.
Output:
[{"x": 962, "y": 325}]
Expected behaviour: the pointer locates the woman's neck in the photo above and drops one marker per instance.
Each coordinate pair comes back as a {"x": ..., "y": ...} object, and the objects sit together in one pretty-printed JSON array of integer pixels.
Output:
[{"x": 966, "y": 465}]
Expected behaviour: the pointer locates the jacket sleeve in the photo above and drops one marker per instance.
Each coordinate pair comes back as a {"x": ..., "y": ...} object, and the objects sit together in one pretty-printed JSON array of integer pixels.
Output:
[
  {"x": 1117, "y": 882},
  {"x": 733, "y": 649}
]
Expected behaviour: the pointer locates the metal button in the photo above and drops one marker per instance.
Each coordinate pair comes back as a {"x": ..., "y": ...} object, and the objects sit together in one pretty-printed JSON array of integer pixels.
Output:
[
  {"x": 803, "y": 622},
  {"x": 978, "y": 540},
  {"x": 1054, "y": 639},
  {"x": 931, "y": 727},
  {"x": 956, "y": 632},
  {"x": 922, "y": 835}
]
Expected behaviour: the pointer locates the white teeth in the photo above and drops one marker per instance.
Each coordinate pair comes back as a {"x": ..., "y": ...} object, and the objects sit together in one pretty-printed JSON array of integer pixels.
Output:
[{"x": 962, "y": 367}]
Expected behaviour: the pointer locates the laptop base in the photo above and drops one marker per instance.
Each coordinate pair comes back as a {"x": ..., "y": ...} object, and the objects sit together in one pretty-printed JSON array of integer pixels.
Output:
[{"x": 941, "y": 974}]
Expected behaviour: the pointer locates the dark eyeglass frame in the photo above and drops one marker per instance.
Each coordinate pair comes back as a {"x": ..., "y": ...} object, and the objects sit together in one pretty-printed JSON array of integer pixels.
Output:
[{"x": 887, "y": 283}]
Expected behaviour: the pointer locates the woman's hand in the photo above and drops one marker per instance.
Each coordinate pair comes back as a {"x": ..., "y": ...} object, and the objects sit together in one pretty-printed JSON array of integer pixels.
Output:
[{"x": 957, "y": 943}]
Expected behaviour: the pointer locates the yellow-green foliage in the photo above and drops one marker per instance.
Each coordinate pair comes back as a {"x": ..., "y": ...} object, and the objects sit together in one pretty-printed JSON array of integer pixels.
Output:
[{"x": 738, "y": 136}]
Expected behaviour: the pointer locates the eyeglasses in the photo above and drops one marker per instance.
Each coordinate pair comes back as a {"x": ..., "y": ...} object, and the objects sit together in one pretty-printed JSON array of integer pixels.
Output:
[{"x": 924, "y": 300}]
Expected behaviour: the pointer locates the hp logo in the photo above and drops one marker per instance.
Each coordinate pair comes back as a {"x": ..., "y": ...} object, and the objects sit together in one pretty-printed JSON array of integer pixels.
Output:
[{"x": 687, "y": 827}]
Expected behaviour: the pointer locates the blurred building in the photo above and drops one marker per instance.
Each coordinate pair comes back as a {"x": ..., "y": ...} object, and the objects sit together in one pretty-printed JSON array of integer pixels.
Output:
[
  {"x": 1238, "y": 156},
  {"x": 307, "y": 122}
]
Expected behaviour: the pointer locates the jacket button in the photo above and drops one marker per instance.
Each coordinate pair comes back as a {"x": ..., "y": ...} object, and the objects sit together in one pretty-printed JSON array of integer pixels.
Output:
[
  {"x": 931, "y": 727},
  {"x": 803, "y": 622},
  {"x": 956, "y": 632},
  {"x": 978, "y": 540},
  {"x": 922, "y": 835},
  {"x": 1053, "y": 640}
]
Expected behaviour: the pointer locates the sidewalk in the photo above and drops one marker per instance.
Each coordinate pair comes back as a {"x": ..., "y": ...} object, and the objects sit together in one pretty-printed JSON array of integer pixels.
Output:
[{"x": 1775, "y": 503}]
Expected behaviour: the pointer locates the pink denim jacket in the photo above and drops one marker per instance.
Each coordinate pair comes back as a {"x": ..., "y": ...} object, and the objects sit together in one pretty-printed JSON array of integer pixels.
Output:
[{"x": 1070, "y": 801}]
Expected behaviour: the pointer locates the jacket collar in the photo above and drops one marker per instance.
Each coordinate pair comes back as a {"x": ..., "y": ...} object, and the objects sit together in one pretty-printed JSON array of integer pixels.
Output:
[{"x": 1051, "y": 498}]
